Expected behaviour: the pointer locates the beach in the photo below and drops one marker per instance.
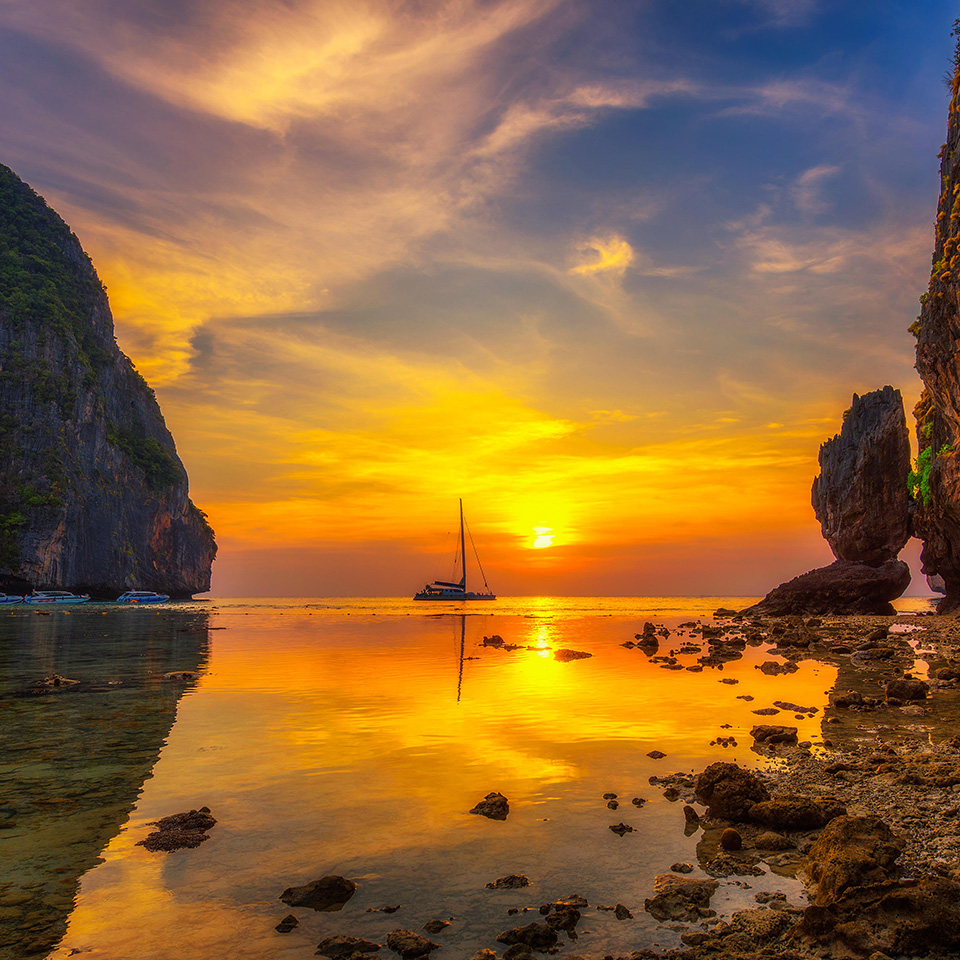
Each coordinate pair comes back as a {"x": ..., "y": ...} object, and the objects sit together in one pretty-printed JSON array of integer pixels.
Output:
[{"x": 352, "y": 738}]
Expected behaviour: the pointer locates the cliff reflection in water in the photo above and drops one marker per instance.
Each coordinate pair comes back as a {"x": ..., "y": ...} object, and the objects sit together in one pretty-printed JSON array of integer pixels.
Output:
[{"x": 74, "y": 757}]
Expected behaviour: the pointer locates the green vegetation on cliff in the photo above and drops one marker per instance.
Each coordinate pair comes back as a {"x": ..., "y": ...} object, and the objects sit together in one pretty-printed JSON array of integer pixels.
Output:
[
  {"x": 41, "y": 280},
  {"x": 146, "y": 453}
]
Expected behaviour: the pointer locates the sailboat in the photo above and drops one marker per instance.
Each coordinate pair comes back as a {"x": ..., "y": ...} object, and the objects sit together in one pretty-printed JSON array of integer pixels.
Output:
[{"x": 442, "y": 590}]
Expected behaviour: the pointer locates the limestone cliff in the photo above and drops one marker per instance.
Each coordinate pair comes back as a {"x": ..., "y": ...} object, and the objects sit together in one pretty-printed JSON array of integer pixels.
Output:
[
  {"x": 860, "y": 496},
  {"x": 936, "y": 481},
  {"x": 92, "y": 493}
]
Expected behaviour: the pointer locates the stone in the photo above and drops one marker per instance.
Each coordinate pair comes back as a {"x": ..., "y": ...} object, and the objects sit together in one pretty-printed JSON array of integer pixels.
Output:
[
  {"x": 680, "y": 898},
  {"x": 288, "y": 923},
  {"x": 436, "y": 926},
  {"x": 512, "y": 882},
  {"x": 656, "y": 755},
  {"x": 181, "y": 831},
  {"x": 896, "y": 918},
  {"x": 342, "y": 948},
  {"x": 852, "y": 852},
  {"x": 536, "y": 936},
  {"x": 621, "y": 828},
  {"x": 622, "y": 913},
  {"x": 564, "y": 656},
  {"x": 772, "y": 733},
  {"x": 682, "y": 867},
  {"x": 907, "y": 689},
  {"x": 730, "y": 839},
  {"x": 690, "y": 815},
  {"x": 795, "y": 813},
  {"x": 564, "y": 917},
  {"x": 494, "y": 806},
  {"x": 729, "y": 791},
  {"x": 773, "y": 841},
  {"x": 326, "y": 894},
  {"x": 409, "y": 944},
  {"x": 843, "y": 587},
  {"x": 861, "y": 497}
]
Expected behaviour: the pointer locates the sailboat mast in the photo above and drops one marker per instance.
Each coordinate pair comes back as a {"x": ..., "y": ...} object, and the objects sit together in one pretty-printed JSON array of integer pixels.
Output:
[{"x": 463, "y": 553}]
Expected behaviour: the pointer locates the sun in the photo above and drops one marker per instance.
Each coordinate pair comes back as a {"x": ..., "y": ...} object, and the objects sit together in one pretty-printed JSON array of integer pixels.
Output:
[{"x": 543, "y": 537}]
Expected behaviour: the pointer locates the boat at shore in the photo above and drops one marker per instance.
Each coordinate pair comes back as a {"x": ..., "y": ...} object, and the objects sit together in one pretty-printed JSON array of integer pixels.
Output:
[
  {"x": 10, "y": 598},
  {"x": 142, "y": 596},
  {"x": 445, "y": 590},
  {"x": 54, "y": 597}
]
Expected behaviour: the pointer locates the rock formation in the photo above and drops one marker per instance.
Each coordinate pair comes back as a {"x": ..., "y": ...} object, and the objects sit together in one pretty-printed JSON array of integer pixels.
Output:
[
  {"x": 93, "y": 495},
  {"x": 937, "y": 478},
  {"x": 860, "y": 496},
  {"x": 863, "y": 504}
]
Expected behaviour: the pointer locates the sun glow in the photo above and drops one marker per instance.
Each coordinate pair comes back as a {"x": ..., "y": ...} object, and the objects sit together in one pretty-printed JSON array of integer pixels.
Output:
[{"x": 543, "y": 537}]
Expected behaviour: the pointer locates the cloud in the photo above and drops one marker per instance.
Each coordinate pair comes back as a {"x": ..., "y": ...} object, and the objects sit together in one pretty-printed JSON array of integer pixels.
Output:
[
  {"x": 610, "y": 254},
  {"x": 807, "y": 190}
]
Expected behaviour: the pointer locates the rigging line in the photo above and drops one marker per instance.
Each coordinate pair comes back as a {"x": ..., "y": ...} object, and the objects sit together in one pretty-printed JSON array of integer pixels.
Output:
[{"x": 477, "y": 555}]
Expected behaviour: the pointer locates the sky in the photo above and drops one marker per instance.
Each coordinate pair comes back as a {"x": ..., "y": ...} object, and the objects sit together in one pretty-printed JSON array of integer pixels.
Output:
[{"x": 609, "y": 271}]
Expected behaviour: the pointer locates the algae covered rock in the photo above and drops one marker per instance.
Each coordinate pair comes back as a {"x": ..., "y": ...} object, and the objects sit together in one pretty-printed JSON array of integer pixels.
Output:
[
  {"x": 730, "y": 791},
  {"x": 852, "y": 852}
]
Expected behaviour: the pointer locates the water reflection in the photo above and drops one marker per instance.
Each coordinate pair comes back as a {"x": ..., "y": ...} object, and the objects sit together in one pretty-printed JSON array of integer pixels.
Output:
[
  {"x": 329, "y": 742},
  {"x": 74, "y": 755}
]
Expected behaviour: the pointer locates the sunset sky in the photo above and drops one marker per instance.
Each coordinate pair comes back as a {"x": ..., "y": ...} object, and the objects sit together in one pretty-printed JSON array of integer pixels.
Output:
[{"x": 610, "y": 271}]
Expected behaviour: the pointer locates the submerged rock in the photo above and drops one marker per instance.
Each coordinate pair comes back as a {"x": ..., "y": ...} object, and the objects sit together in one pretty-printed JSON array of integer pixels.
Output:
[
  {"x": 537, "y": 936},
  {"x": 512, "y": 882},
  {"x": 326, "y": 894},
  {"x": 565, "y": 656},
  {"x": 494, "y": 806},
  {"x": 342, "y": 948}
]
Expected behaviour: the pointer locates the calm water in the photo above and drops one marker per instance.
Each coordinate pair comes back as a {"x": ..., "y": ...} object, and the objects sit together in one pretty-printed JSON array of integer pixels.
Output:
[{"x": 351, "y": 737}]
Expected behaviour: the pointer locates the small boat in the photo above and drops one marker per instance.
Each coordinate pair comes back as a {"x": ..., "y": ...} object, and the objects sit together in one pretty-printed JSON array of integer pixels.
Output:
[
  {"x": 142, "y": 596},
  {"x": 10, "y": 598},
  {"x": 50, "y": 597},
  {"x": 443, "y": 590}
]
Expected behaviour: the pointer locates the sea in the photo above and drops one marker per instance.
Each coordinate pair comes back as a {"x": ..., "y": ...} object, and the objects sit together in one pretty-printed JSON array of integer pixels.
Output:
[{"x": 351, "y": 737}]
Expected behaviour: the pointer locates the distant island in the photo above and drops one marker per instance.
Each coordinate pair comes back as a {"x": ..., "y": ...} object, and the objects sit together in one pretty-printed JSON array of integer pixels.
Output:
[{"x": 93, "y": 496}]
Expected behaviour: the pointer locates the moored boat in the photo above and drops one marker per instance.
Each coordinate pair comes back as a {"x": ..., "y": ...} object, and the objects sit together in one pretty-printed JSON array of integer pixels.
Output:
[
  {"x": 55, "y": 597},
  {"x": 445, "y": 590},
  {"x": 142, "y": 596},
  {"x": 10, "y": 598}
]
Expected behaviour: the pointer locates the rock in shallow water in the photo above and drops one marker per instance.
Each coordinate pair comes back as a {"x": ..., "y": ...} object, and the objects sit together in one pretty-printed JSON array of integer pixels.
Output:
[
  {"x": 680, "y": 898},
  {"x": 326, "y": 894},
  {"x": 494, "y": 806},
  {"x": 409, "y": 944},
  {"x": 843, "y": 587},
  {"x": 342, "y": 948},
  {"x": 181, "y": 831}
]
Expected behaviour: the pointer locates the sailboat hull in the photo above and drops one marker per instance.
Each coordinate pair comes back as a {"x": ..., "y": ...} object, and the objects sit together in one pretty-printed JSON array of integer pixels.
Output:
[{"x": 452, "y": 595}]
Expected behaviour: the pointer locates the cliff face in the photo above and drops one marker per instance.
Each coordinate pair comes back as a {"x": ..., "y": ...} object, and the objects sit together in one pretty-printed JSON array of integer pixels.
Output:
[
  {"x": 92, "y": 493},
  {"x": 937, "y": 478}
]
